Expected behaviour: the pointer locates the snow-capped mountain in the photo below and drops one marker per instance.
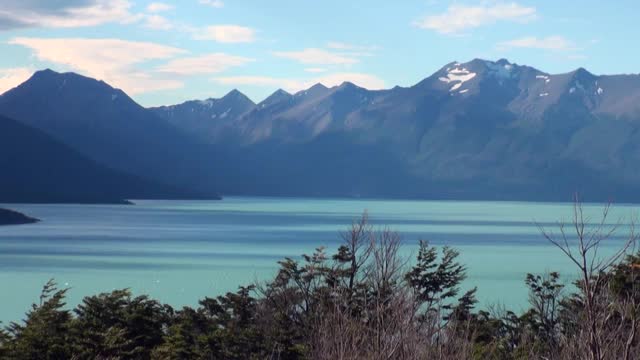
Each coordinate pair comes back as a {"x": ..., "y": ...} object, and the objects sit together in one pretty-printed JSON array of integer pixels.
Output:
[{"x": 475, "y": 130}]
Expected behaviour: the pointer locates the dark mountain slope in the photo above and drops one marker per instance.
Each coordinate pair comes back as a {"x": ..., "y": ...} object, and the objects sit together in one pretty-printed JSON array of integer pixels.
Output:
[
  {"x": 38, "y": 169},
  {"x": 107, "y": 126}
]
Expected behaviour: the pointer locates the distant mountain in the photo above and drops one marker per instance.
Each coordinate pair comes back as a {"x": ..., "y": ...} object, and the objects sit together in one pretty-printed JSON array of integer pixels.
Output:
[
  {"x": 475, "y": 130},
  {"x": 203, "y": 118},
  {"x": 10, "y": 217},
  {"x": 39, "y": 169},
  {"x": 107, "y": 126}
]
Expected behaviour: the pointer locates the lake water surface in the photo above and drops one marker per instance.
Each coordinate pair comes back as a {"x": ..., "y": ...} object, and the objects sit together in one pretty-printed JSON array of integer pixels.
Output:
[{"x": 181, "y": 251}]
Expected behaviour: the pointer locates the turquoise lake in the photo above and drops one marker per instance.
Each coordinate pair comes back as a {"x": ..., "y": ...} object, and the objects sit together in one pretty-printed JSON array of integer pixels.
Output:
[{"x": 181, "y": 251}]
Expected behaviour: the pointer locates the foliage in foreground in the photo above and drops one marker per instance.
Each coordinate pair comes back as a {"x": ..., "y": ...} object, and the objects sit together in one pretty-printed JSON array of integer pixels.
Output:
[{"x": 363, "y": 302}]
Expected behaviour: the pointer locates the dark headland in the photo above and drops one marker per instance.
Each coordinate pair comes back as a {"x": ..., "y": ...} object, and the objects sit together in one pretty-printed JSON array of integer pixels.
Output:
[{"x": 10, "y": 217}]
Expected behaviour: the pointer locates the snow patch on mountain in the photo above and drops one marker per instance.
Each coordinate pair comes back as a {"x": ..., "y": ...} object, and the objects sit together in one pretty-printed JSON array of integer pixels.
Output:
[
  {"x": 224, "y": 114},
  {"x": 457, "y": 74},
  {"x": 455, "y": 87},
  {"x": 208, "y": 103},
  {"x": 501, "y": 72},
  {"x": 546, "y": 78}
]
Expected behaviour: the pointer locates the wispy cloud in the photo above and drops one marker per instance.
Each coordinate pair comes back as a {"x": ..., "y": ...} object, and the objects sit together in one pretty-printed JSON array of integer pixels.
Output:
[
  {"x": 315, "y": 70},
  {"x": 317, "y": 56},
  {"x": 459, "y": 18},
  {"x": 294, "y": 85},
  {"x": 212, "y": 3},
  {"x": 157, "y": 22},
  {"x": 204, "y": 64},
  {"x": 64, "y": 13},
  {"x": 262, "y": 81},
  {"x": 226, "y": 34},
  {"x": 12, "y": 77},
  {"x": 337, "y": 45},
  {"x": 555, "y": 43},
  {"x": 158, "y": 7},
  {"x": 112, "y": 60}
]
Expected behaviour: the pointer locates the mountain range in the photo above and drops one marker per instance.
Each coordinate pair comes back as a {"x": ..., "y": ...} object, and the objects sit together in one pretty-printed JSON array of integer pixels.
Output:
[{"x": 477, "y": 130}]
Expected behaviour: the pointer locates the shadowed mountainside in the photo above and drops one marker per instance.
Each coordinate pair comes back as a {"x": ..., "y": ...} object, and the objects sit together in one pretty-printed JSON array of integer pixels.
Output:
[{"x": 37, "y": 168}]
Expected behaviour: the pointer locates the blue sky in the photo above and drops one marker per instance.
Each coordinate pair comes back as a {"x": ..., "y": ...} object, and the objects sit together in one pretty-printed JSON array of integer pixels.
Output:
[{"x": 169, "y": 51}]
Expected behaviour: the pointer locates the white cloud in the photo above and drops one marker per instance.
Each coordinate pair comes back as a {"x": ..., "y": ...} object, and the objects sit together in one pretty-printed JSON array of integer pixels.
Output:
[
  {"x": 337, "y": 45},
  {"x": 315, "y": 70},
  {"x": 157, "y": 22},
  {"x": 262, "y": 81},
  {"x": 555, "y": 43},
  {"x": 41, "y": 13},
  {"x": 158, "y": 7},
  {"x": 213, "y": 3},
  {"x": 458, "y": 18},
  {"x": 12, "y": 77},
  {"x": 111, "y": 60},
  {"x": 226, "y": 34},
  {"x": 205, "y": 64},
  {"x": 368, "y": 81},
  {"x": 317, "y": 57}
]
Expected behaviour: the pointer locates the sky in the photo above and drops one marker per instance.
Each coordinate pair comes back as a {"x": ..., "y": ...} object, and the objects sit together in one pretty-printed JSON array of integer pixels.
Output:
[{"x": 169, "y": 51}]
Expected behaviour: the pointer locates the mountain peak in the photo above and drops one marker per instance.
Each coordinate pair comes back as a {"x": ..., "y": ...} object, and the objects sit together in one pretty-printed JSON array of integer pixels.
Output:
[
  {"x": 318, "y": 86},
  {"x": 48, "y": 82},
  {"x": 45, "y": 72},
  {"x": 277, "y": 96},
  {"x": 583, "y": 72},
  {"x": 233, "y": 93},
  {"x": 236, "y": 95},
  {"x": 347, "y": 84},
  {"x": 317, "y": 89},
  {"x": 52, "y": 74},
  {"x": 281, "y": 92}
]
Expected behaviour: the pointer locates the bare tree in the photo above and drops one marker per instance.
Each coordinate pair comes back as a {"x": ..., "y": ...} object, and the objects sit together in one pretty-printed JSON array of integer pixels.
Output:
[{"x": 582, "y": 248}]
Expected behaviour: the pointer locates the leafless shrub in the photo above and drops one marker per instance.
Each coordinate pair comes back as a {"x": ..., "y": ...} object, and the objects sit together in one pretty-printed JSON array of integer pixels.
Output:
[{"x": 601, "y": 330}]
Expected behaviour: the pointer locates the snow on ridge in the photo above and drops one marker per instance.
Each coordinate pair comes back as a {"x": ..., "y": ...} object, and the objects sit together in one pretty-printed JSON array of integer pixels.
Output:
[
  {"x": 458, "y": 75},
  {"x": 600, "y": 91},
  {"x": 209, "y": 102},
  {"x": 546, "y": 78},
  {"x": 463, "y": 91},
  {"x": 459, "y": 71},
  {"x": 544, "y": 94},
  {"x": 456, "y": 87},
  {"x": 501, "y": 72},
  {"x": 224, "y": 114}
]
